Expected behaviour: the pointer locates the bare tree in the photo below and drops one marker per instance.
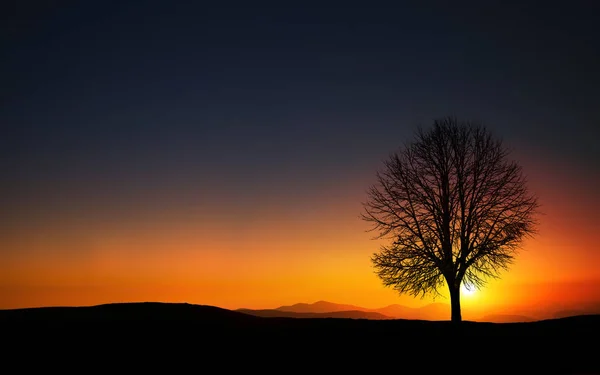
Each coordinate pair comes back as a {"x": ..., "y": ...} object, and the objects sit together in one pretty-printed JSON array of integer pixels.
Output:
[{"x": 455, "y": 209}]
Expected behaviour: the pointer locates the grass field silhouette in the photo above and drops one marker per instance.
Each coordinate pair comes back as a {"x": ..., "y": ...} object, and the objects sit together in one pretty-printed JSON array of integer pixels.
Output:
[{"x": 123, "y": 331}]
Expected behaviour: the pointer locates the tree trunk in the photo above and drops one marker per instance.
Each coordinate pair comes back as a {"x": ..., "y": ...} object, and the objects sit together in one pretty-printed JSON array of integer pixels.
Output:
[{"x": 456, "y": 316}]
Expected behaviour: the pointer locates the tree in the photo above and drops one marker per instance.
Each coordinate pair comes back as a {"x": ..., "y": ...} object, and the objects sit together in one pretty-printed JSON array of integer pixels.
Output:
[{"x": 454, "y": 208}]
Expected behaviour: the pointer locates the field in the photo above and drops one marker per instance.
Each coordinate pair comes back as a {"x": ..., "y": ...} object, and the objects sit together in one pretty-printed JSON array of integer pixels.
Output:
[{"x": 140, "y": 336}]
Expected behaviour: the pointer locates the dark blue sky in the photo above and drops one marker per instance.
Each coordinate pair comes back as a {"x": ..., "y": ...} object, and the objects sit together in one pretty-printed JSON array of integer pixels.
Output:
[{"x": 114, "y": 102}]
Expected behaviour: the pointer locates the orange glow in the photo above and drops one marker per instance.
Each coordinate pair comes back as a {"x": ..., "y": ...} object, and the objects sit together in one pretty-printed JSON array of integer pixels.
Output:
[{"x": 287, "y": 253}]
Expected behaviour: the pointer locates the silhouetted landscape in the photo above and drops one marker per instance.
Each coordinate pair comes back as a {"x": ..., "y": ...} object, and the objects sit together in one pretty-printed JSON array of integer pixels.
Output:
[
  {"x": 432, "y": 311},
  {"x": 255, "y": 158},
  {"x": 566, "y": 345}
]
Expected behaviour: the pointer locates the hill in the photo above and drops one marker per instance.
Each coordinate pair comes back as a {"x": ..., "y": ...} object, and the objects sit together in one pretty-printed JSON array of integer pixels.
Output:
[
  {"x": 120, "y": 311},
  {"x": 141, "y": 334},
  {"x": 434, "y": 311},
  {"x": 350, "y": 314},
  {"x": 320, "y": 307}
]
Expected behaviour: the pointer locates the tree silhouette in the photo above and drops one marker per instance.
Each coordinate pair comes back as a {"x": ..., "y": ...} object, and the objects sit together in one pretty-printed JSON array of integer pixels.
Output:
[{"x": 455, "y": 209}]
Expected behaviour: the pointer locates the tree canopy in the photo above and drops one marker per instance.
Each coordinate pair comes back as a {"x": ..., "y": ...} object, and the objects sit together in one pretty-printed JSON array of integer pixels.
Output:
[{"x": 454, "y": 208}]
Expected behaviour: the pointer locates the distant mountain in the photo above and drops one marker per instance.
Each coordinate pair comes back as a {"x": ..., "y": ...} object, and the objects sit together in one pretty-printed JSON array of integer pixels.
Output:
[
  {"x": 320, "y": 307},
  {"x": 551, "y": 310},
  {"x": 434, "y": 311},
  {"x": 350, "y": 314},
  {"x": 567, "y": 313}
]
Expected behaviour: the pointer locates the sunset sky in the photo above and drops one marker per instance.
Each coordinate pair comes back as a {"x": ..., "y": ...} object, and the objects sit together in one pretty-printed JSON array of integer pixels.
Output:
[{"x": 219, "y": 154}]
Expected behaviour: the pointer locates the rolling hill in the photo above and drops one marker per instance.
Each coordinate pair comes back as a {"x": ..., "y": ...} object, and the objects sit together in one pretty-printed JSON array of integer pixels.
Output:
[
  {"x": 124, "y": 312},
  {"x": 434, "y": 311},
  {"x": 431, "y": 312},
  {"x": 140, "y": 334},
  {"x": 349, "y": 314},
  {"x": 319, "y": 307}
]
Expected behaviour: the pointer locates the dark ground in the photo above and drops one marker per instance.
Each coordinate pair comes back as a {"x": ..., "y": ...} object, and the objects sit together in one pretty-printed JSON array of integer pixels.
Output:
[{"x": 181, "y": 337}]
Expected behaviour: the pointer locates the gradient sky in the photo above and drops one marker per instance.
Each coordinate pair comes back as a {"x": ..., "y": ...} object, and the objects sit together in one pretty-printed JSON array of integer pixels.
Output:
[{"x": 219, "y": 153}]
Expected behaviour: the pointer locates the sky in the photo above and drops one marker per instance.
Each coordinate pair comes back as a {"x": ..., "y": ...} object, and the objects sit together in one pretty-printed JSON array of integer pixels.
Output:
[{"x": 219, "y": 153}]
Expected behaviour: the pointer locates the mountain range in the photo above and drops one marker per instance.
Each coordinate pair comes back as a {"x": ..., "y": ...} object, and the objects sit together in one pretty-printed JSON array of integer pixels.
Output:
[{"x": 433, "y": 312}]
